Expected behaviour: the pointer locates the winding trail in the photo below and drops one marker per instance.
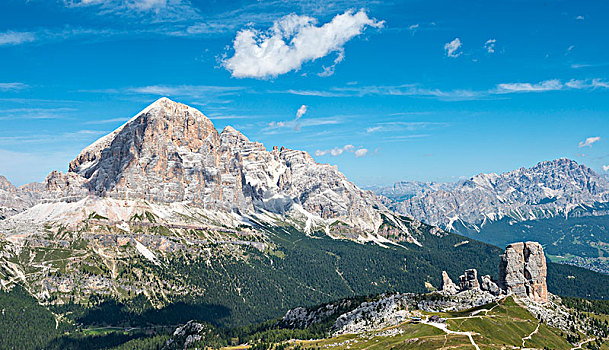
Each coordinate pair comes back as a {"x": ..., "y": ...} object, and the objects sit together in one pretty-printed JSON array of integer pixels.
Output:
[
  {"x": 528, "y": 337},
  {"x": 581, "y": 343},
  {"x": 444, "y": 327}
]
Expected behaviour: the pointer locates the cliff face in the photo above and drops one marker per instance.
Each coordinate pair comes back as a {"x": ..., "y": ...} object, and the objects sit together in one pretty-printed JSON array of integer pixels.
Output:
[
  {"x": 523, "y": 271},
  {"x": 172, "y": 153}
]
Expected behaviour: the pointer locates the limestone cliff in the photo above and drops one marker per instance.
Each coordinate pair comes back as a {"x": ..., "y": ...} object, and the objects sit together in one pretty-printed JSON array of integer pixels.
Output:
[{"x": 523, "y": 271}]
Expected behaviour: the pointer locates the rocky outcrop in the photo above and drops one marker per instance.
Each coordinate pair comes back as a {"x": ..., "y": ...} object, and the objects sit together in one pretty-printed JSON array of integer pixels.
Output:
[
  {"x": 523, "y": 271},
  {"x": 68, "y": 187},
  {"x": 489, "y": 286},
  {"x": 548, "y": 189},
  {"x": 469, "y": 280},
  {"x": 447, "y": 284}
]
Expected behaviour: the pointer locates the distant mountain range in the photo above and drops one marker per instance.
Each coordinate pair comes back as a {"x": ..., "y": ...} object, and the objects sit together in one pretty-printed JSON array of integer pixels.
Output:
[
  {"x": 560, "y": 187},
  {"x": 560, "y": 203}
]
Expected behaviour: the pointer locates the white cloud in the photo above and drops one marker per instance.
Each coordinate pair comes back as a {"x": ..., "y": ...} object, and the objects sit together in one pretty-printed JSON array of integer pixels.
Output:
[
  {"x": 301, "y": 111},
  {"x": 452, "y": 48},
  {"x": 296, "y": 123},
  {"x": 579, "y": 18},
  {"x": 489, "y": 45},
  {"x": 605, "y": 167},
  {"x": 292, "y": 41},
  {"x": 16, "y": 38},
  {"x": 140, "y": 5},
  {"x": 452, "y": 95},
  {"x": 147, "y": 10},
  {"x": 12, "y": 86},
  {"x": 547, "y": 85},
  {"x": 337, "y": 151},
  {"x": 587, "y": 84},
  {"x": 361, "y": 152},
  {"x": 413, "y": 28},
  {"x": 589, "y": 141}
]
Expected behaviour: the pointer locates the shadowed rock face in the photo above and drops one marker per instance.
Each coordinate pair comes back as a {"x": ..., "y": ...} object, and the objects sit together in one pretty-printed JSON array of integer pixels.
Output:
[
  {"x": 469, "y": 280},
  {"x": 523, "y": 271}
]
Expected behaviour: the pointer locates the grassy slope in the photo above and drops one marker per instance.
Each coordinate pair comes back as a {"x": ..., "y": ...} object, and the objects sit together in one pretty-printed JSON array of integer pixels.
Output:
[{"x": 506, "y": 325}]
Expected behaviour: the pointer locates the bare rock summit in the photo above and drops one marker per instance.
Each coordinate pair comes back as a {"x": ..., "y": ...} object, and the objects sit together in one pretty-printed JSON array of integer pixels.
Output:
[{"x": 523, "y": 271}]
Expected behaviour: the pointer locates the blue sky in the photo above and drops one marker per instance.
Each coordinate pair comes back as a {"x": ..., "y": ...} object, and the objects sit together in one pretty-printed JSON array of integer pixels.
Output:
[{"x": 402, "y": 90}]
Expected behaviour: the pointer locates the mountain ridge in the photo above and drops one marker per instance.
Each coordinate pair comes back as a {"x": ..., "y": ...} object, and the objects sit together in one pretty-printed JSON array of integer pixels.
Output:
[{"x": 548, "y": 189}]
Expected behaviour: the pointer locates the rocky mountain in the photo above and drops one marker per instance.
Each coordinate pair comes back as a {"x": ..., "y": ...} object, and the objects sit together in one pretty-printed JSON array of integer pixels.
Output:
[
  {"x": 14, "y": 200},
  {"x": 172, "y": 153},
  {"x": 549, "y": 189},
  {"x": 168, "y": 207}
]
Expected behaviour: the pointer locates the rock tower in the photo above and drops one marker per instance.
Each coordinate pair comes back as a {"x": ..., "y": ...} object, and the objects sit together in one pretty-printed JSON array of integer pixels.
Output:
[{"x": 523, "y": 271}]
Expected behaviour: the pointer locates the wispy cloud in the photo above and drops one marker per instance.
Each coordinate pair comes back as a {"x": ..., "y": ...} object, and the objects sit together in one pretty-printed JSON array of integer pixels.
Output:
[
  {"x": 404, "y": 126},
  {"x": 292, "y": 41},
  {"x": 361, "y": 152},
  {"x": 455, "y": 94},
  {"x": 589, "y": 141},
  {"x": 296, "y": 124},
  {"x": 452, "y": 48},
  {"x": 107, "y": 121},
  {"x": 147, "y": 10},
  {"x": 489, "y": 45},
  {"x": 337, "y": 151},
  {"x": 396, "y": 90},
  {"x": 207, "y": 93},
  {"x": 12, "y": 86},
  {"x": 16, "y": 38},
  {"x": 34, "y": 113},
  {"x": 547, "y": 85}
]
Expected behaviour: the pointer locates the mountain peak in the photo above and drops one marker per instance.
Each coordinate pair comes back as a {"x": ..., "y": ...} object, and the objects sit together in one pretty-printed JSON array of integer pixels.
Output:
[
  {"x": 550, "y": 188},
  {"x": 170, "y": 152}
]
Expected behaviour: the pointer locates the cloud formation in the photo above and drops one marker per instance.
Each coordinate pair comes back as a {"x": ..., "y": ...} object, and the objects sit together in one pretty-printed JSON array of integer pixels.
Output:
[
  {"x": 589, "y": 141},
  {"x": 12, "y": 86},
  {"x": 452, "y": 48},
  {"x": 301, "y": 111},
  {"x": 547, "y": 85},
  {"x": 361, "y": 152},
  {"x": 489, "y": 45},
  {"x": 605, "y": 167},
  {"x": 292, "y": 41},
  {"x": 337, "y": 151},
  {"x": 149, "y": 10},
  {"x": 455, "y": 94},
  {"x": 16, "y": 38}
]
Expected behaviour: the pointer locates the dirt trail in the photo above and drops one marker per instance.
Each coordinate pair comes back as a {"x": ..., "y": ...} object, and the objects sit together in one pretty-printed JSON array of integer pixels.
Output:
[
  {"x": 444, "y": 327},
  {"x": 528, "y": 337}
]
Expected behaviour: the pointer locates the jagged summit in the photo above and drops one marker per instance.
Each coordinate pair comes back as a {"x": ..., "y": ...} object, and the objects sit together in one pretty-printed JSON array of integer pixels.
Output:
[
  {"x": 170, "y": 152},
  {"x": 550, "y": 188}
]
